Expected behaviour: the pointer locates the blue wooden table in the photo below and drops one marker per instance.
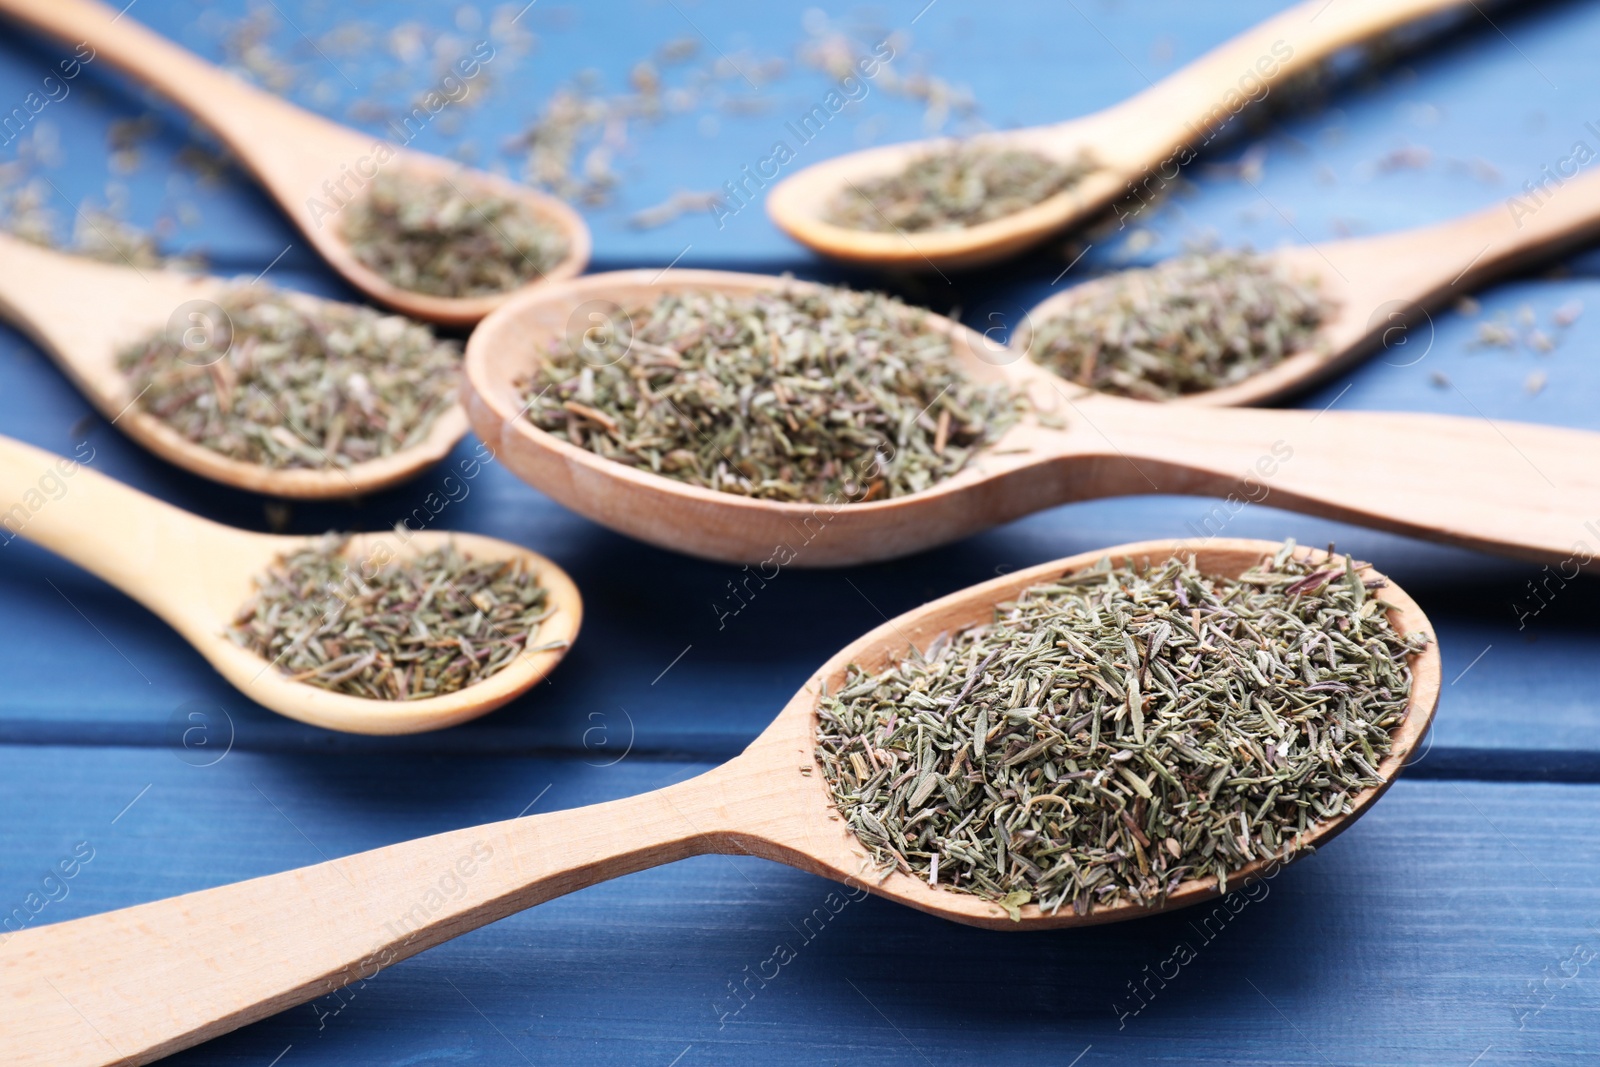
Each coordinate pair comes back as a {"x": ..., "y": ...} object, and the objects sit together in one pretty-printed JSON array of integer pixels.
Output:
[{"x": 1457, "y": 924}]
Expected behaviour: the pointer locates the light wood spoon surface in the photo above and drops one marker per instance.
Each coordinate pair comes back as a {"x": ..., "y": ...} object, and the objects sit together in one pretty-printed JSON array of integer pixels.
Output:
[
  {"x": 130, "y": 986},
  {"x": 293, "y": 152},
  {"x": 1137, "y": 146},
  {"x": 83, "y": 313},
  {"x": 1505, "y": 487},
  {"x": 1378, "y": 286},
  {"x": 196, "y": 575}
]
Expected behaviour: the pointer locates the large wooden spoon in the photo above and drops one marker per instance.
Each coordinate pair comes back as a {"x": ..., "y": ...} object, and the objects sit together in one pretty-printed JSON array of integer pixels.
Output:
[
  {"x": 1137, "y": 146},
  {"x": 1381, "y": 286},
  {"x": 196, "y": 574},
  {"x": 1506, "y": 487},
  {"x": 310, "y": 165},
  {"x": 83, "y": 313},
  {"x": 129, "y": 986}
]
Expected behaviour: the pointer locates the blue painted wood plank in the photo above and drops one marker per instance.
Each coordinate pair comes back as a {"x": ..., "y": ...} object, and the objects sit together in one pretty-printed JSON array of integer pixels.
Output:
[
  {"x": 87, "y": 662},
  {"x": 1468, "y": 899},
  {"x": 1455, "y": 918},
  {"x": 1486, "y": 109},
  {"x": 90, "y": 664}
]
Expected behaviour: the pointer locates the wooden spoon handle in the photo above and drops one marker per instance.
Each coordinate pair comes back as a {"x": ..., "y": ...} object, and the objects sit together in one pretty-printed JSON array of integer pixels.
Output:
[
  {"x": 1557, "y": 208},
  {"x": 45, "y": 294},
  {"x": 83, "y": 311},
  {"x": 1507, "y": 487},
  {"x": 131, "y": 986},
  {"x": 133, "y": 541},
  {"x": 1177, "y": 116},
  {"x": 280, "y": 141}
]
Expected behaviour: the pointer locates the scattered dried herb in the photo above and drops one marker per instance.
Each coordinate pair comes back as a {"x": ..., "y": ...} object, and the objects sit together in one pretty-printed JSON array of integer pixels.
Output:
[
  {"x": 955, "y": 188},
  {"x": 794, "y": 395},
  {"x": 571, "y": 148},
  {"x": 97, "y": 233},
  {"x": 287, "y": 380},
  {"x": 1196, "y": 322},
  {"x": 1523, "y": 331},
  {"x": 427, "y": 235},
  {"x": 1119, "y": 731},
  {"x": 408, "y": 630},
  {"x": 843, "y": 53}
]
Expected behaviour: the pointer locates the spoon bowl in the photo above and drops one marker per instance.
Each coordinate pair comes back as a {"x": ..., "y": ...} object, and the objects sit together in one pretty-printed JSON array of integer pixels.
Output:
[
  {"x": 312, "y": 166},
  {"x": 332, "y": 245},
  {"x": 811, "y": 836},
  {"x": 800, "y": 204},
  {"x": 222, "y": 582},
  {"x": 220, "y": 958},
  {"x": 1137, "y": 146},
  {"x": 1505, "y": 487},
  {"x": 83, "y": 313},
  {"x": 196, "y": 575},
  {"x": 1380, "y": 288}
]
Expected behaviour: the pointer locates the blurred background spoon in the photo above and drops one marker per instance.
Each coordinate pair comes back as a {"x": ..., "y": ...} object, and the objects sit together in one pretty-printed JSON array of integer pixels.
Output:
[
  {"x": 294, "y": 152},
  {"x": 83, "y": 313},
  {"x": 1136, "y": 147},
  {"x": 1377, "y": 286},
  {"x": 196, "y": 575}
]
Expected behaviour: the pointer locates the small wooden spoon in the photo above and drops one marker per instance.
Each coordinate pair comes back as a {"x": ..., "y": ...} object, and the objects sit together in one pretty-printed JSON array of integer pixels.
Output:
[
  {"x": 84, "y": 312},
  {"x": 1137, "y": 146},
  {"x": 196, "y": 574},
  {"x": 1378, "y": 285},
  {"x": 1504, "y": 487},
  {"x": 295, "y": 153},
  {"x": 130, "y": 986}
]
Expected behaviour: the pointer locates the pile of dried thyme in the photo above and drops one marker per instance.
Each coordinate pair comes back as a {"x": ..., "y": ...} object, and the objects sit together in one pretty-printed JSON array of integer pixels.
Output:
[
  {"x": 1117, "y": 732},
  {"x": 1200, "y": 321},
  {"x": 408, "y": 630},
  {"x": 428, "y": 235},
  {"x": 286, "y": 380},
  {"x": 955, "y": 188},
  {"x": 796, "y": 395}
]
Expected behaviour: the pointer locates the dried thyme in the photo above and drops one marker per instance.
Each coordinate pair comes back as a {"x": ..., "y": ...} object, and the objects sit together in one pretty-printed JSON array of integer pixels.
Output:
[
  {"x": 408, "y": 630},
  {"x": 955, "y": 188},
  {"x": 291, "y": 381},
  {"x": 1200, "y": 321},
  {"x": 1116, "y": 732},
  {"x": 796, "y": 395},
  {"x": 426, "y": 235}
]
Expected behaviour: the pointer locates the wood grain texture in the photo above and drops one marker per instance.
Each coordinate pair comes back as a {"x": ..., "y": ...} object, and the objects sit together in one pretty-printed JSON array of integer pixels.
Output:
[{"x": 1455, "y": 896}]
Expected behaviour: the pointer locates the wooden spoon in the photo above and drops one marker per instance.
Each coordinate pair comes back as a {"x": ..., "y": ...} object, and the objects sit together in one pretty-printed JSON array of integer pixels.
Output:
[
  {"x": 295, "y": 153},
  {"x": 1137, "y": 146},
  {"x": 130, "y": 986},
  {"x": 196, "y": 574},
  {"x": 1506, "y": 487},
  {"x": 1379, "y": 285},
  {"x": 83, "y": 313}
]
